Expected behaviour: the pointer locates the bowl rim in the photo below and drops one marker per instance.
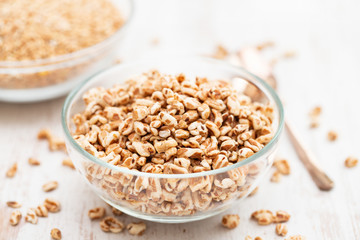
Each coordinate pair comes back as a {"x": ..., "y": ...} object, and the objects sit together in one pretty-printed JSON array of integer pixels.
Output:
[
  {"x": 125, "y": 170},
  {"x": 43, "y": 62}
]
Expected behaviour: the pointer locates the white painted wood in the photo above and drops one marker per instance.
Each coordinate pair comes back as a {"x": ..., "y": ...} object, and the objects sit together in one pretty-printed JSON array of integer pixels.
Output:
[{"x": 326, "y": 36}]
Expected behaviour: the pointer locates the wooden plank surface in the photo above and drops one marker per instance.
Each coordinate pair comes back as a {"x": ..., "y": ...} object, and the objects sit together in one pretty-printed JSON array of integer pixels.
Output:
[{"x": 325, "y": 35}]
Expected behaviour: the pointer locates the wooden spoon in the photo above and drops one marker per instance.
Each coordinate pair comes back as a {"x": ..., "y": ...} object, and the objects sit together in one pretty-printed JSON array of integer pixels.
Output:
[{"x": 250, "y": 58}]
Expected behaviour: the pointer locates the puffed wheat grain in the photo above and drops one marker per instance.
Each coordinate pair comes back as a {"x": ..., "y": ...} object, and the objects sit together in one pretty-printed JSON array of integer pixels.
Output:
[
  {"x": 281, "y": 216},
  {"x": 15, "y": 217},
  {"x": 276, "y": 176},
  {"x": 13, "y": 204},
  {"x": 282, "y": 166},
  {"x": 332, "y": 136},
  {"x": 52, "y": 205},
  {"x": 351, "y": 162},
  {"x": 50, "y": 186},
  {"x": 12, "y": 171},
  {"x": 41, "y": 211},
  {"x": 136, "y": 228},
  {"x": 110, "y": 224},
  {"x": 96, "y": 213},
  {"x": 230, "y": 221},
  {"x": 33, "y": 161},
  {"x": 31, "y": 216},
  {"x": 281, "y": 229},
  {"x": 55, "y": 234},
  {"x": 263, "y": 217},
  {"x": 68, "y": 162}
]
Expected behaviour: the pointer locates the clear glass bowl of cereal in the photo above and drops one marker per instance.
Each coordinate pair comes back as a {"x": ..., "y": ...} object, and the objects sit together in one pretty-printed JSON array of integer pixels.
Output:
[
  {"x": 173, "y": 139},
  {"x": 51, "y": 46}
]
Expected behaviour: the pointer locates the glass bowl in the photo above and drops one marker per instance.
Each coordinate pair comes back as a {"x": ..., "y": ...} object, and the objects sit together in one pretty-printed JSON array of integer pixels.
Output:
[
  {"x": 173, "y": 198},
  {"x": 37, "y": 80}
]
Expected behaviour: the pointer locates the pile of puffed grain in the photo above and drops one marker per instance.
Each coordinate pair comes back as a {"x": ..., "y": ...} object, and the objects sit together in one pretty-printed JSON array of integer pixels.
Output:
[
  {"x": 172, "y": 124},
  {"x": 38, "y": 29}
]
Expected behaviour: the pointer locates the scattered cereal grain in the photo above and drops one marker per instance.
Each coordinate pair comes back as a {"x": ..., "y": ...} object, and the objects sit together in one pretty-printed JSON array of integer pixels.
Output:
[
  {"x": 281, "y": 229},
  {"x": 33, "y": 161},
  {"x": 68, "y": 162},
  {"x": 11, "y": 171},
  {"x": 55, "y": 234},
  {"x": 351, "y": 162},
  {"x": 50, "y": 186},
  {"x": 230, "y": 221},
  {"x": 110, "y": 224},
  {"x": 332, "y": 136},
  {"x": 282, "y": 166},
  {"x": 13, "y": 204},
  {"x": 41, "y": 211},
  {"x": 15, "y": 217},
  {"x": 276, "y": 177},
  {"x": 281, "y": 216},
  {"x": 52, "y": 205},
  {"x": 263, "y": 217},
  {"x": 96, "y": 213},
  {"x": 31, "y": 216},
  {"x": 136, "y": 228}
]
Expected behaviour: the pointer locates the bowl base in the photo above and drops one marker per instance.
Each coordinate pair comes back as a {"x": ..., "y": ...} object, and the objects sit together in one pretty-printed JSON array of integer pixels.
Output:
[{"x": 167, "y": 219}]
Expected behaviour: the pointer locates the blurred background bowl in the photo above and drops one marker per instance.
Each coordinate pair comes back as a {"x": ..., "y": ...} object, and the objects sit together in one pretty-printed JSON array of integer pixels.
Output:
[
  {"x": 173, "y": 198},
  {"x": 37, "y": 80}
]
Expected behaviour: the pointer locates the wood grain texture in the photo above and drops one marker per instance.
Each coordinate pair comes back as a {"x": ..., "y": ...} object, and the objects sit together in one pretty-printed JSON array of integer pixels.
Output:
[{"x": 325, "y": 34}]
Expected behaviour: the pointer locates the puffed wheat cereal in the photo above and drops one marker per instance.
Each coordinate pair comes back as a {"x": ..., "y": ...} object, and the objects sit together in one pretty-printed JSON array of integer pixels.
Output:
[
  {"x": 136, "y": 228},
  {"x": 41, "y": 211},
  {"x": 96, "y": 213},
  {"x": 332, "y": 136},
  {"x": 276, "y": 176},
  {"x": 110, "y": 224},
  {"x": 55, "y": 143},
  {"x": 52, "y": 205},
  {"x": 13, "y": 204},
  {"x": 31, "y": 216},
  {"x": 68, "y": 162},
  {"x": 282, "y": 166},
  {"x": 281, "y": 216},
  {"x": 15, "y": 217},
  {"x": 281, "y": 229},
  {"x": 33, "y": 161},
  {"x": 351, "y": 162},
  {"x": 12, "y": 171},
  {"x": 55, "y": 234},
  {"x": 46, "y": 29},
  {"x": 263, "y": 217},
  {"x": 50, "y": 186},
  {"x": 230, "y": 221}
]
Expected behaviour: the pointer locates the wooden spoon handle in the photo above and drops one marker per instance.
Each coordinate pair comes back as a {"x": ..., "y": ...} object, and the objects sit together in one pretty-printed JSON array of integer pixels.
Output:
[{"x": 307, "y": 158}]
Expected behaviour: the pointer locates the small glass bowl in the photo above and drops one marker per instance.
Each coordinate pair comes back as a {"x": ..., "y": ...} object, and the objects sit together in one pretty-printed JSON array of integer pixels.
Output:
[
  {"x": 173, "y": 198},
  {"x": 37, "y": 80}
]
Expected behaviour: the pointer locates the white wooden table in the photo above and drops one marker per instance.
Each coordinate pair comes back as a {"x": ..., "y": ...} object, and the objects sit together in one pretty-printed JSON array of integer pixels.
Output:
[{"x": 326, "y": 36}]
